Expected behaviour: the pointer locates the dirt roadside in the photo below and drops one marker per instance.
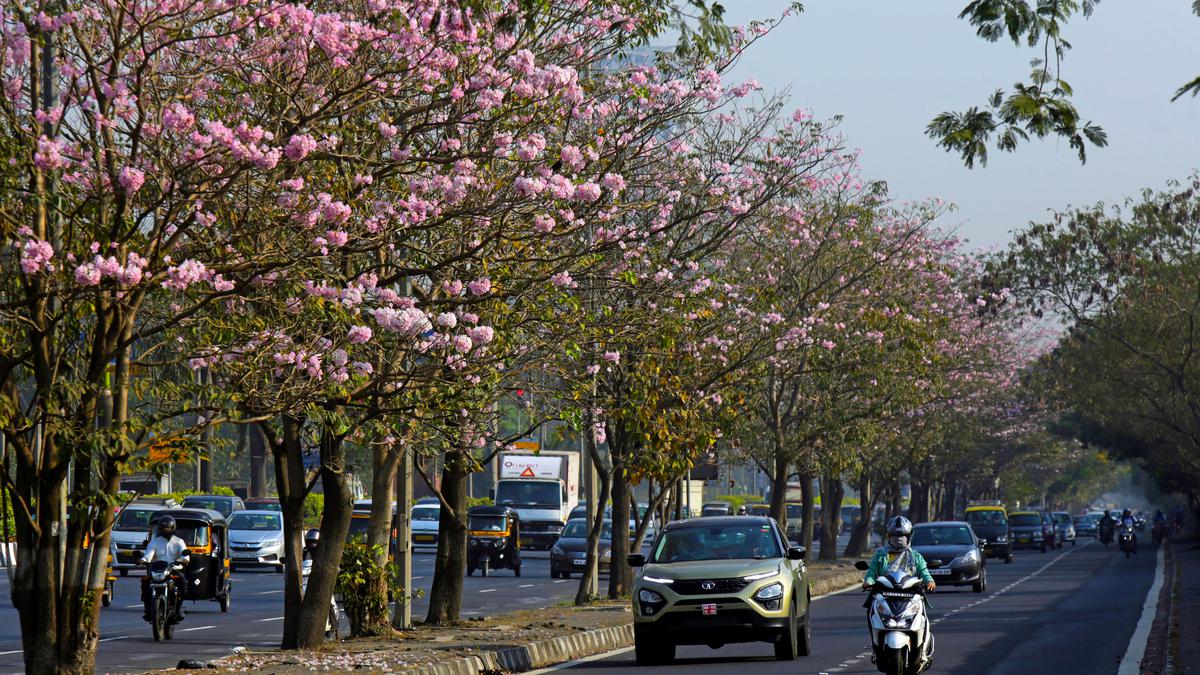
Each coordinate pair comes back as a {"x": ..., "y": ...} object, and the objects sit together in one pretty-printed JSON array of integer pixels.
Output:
[{"x": 422, "y": 647}]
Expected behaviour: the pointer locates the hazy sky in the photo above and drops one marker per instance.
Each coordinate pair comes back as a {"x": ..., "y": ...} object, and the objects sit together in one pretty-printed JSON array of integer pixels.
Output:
[{"x": 889, "y": 66}]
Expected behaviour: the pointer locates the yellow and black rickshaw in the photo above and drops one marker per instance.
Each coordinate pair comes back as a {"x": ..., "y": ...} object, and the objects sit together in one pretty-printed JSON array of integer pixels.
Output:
[
  {"x": 110, "y": 582},
  {"x": 493, "y": 539},
  {"x": 207, "y": 537}
]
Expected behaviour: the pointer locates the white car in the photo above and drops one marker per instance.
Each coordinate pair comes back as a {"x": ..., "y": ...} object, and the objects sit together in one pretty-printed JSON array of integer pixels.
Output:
[
  {"x": 256, "y": 539},
  {"x": 129, "y": 534},
  {"x": 425, "y": 525}
]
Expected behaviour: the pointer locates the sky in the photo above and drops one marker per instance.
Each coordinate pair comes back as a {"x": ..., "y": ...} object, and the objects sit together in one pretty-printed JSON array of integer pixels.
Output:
[{"x": 888, "y": 67}]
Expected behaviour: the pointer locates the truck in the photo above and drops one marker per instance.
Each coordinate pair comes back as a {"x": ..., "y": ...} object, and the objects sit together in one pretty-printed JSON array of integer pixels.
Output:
[{"x": 542, "y": 488}]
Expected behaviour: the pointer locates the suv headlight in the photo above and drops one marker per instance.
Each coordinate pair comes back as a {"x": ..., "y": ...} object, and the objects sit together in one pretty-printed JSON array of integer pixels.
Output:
[
  {"x": 1002, "y": 539},
  {"x": 646, "y": 595},
  {"x": 770, "y": 597}
]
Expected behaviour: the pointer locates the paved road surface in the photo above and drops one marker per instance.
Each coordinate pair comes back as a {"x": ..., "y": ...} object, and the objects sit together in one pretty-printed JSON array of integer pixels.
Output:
[
  {"x": 254, "y": 618},
  {"x": 1067, "y": 611}
]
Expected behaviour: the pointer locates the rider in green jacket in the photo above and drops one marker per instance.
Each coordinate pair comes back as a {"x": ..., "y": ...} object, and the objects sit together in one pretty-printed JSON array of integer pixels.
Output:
[{"x": 898, "y": 554}]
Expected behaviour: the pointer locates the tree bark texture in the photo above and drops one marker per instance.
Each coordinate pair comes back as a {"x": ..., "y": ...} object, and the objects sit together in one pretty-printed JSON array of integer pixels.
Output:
[
  {"x": 450, "y": 566},
  {"x": 832, "y": 492}
]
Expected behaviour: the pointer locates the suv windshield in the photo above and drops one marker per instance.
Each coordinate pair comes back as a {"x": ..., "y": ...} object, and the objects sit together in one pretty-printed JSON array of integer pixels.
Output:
[
  {"x": 256, "y": 521},
  {"x": 725, "y": 542},
  {"x": 542, "y": 494},
  {"x": 994, "y": 518},
  {"x": 1062, "y": 518},
  {"x": 133, "y": 518},
  {"x": 1026, "y": 520},
  {"x": 426, "y": 513},
  {"x": 578, "y": 529},
  {"x": 950, "y": 535}
]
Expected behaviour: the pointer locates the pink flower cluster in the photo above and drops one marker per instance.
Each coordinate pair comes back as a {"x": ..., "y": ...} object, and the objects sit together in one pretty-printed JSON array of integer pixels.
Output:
[
  {"x": 36, "y": 256},
  {"x": 129, "y": 274}
]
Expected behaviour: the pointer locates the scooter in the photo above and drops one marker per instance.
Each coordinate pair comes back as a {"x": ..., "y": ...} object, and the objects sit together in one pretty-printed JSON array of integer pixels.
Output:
[
  {"x": 1159, "y": 533},
  {"x": 166, "y": 602},
  {"x": 901, "y": 638},
  {"x": 1128, "y": 543}
]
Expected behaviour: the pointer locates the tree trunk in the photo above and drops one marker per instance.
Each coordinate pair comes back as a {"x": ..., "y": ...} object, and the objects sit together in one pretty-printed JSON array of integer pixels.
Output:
[
  {"x": 445, "y": 595},
  {"x": 806, "y": 523},
  {"x": 779, "y": 489},
  {"x": 258, "y": 460},
  {"x": 381, "y": 533},
  {"x": 832, "y": 492},
  {"x": 860, "y": 535},
  {"x": 287, "y": 451},
  {"x": 335, "y": 526},
  {"x": 918, "y": 506},
  {"x": 585, "y": 592},
  {"x": 620, "y": 575}
]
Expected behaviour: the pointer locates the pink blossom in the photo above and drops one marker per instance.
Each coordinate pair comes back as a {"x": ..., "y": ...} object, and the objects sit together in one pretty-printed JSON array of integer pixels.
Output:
[
  {"x": 131, "y": 179},
  {"x": 299, "y": 146},
  {"x": 480, "y": 286},
  {"x": 593, "y": 369},
  {"x": 336, "y": 238},
  {"x": 452, "y": 287},
  {"x": 49, "y": 155},
  {"x": 176, "y": 117},
  {"x": 179, "y": 277},
  {"x": 36, "y": 256},
  {"x": 612, "y": 357},
  {"x": 362, "y": 368},
  {"x": 482, "y": 334},
  {"x": 572, "y": 157},
  {"x": 543, "y": 223},
  {"x": 587, "y": 192},
  {"x": 221, "y": 284},
  {"x": 359, "y": 334},
  {"x": 613, "y": 182},
  {"x": 462, "y": 344},
  {"x": 562, "y": 280},
  {"x": 446, "y": 320},
  {"x": 87, "y": 275}
]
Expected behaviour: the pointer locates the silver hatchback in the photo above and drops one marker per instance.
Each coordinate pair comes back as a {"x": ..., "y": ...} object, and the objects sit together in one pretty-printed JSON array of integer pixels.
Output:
[{"x": 256, "y": 539}]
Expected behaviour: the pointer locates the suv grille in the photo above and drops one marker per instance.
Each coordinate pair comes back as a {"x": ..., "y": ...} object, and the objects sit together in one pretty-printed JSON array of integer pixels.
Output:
[{"x": 695, "y": 586}]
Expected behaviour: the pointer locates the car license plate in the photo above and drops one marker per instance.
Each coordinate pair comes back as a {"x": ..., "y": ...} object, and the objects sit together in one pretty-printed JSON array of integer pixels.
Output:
[
  {"x": 941, "y": 570},
  {"x": 245, "y": 556},
  {"x": 708, "y": 609},
  {"x": 579, "y": 561},
  {"x": 1023, "y": 540}
]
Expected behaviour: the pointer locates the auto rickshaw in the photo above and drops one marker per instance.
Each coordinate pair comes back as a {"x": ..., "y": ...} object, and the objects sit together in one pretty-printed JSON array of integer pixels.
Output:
[
  {"x": 207, "y": 538},
  {"x": 493, "y": 539},
  {"x": 110, "y": 582}
]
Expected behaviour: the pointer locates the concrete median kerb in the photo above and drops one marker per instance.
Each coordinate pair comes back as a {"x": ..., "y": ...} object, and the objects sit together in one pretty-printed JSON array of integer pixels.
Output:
[{"x": 514, "y": 643}]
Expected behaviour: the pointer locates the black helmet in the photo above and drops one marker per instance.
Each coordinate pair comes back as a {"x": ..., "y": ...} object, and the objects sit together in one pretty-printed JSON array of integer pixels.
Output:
[
  {"x": 1125, "y": 513},
  {"x": 166, "y": 527},
  {"x": 742, "y": 510},
  {"x": 312, "y": 537},
  {"x": 900, "y": 526}
]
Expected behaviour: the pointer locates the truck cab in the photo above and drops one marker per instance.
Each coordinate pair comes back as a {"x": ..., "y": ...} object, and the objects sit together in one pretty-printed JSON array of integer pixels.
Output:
[{"x": 542, "y": 489}]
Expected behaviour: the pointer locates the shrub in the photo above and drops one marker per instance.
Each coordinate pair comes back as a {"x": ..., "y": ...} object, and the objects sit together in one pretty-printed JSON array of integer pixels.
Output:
[
  {"x": 314, "y": 506},
  {"x": 364, "y": 587}
]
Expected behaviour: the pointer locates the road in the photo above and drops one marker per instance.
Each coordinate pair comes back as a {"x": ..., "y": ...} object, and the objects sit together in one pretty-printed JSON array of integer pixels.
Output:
[
  {"x": 1068, "y": 611},
  {"x": 254, "y": 619}
]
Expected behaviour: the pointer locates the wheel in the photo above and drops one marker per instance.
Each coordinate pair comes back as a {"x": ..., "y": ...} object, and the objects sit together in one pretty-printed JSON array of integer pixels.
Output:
[
  {"x": 1128, "y": 553},
  {"x": 169, "y": 630},
  {"x": 1008, "y": 558},
  {"x": 565, "y": 574},
  {"x": 785, "y": 645},
  {"x": 894, "y": 661},
  {"x": 483, "y": 569},
  {"x": 804, "y": 640},
  {"x": 980, "y": 585},
  {"x": 517, "y": 570},
  {"x": 124, "y": 573},
  {"x": 653, "y": 652},
  {"x": 553, "y": 573},
  {"x": 225, "y": 600},
  {"x": 106, "y": 597},
  {"x": 158, "y": 618},
  {"x": 1072, "y": 542},
  {"x": 1043, "y": 547},
  {"x": 279, "y": 569}
]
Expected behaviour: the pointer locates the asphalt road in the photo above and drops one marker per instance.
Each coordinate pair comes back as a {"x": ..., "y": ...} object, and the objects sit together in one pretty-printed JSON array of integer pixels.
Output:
[
  {"x": 255, "y": 617},
  {"x": 1068, "y": 611}
]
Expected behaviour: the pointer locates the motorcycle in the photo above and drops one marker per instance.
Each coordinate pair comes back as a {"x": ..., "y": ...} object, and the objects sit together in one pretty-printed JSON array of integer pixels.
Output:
[
  {"x": 166, "y": 602},
  {"x": 1128, "y": 543},
  {"x": 1106, "y": 534},
  {"x": 901, "y": 637},
  {"x": 1159, "y": 533}
]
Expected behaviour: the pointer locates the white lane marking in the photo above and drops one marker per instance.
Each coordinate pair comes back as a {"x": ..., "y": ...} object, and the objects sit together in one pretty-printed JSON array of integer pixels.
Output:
[
  {"x": 525, "y": 586},
  {"x": 133, "y": 606},
  {"x": 487, "y": 590},
  {"x": 269, "y": 592},
  {"x": 115, "y": 637},
  {"x": 586, "y": 659},
  {"x": 15, "y": 651},
  {"x": 562, "y": 581},
  {"x": 851, "y": 587},
  {"x": 188, "y": 630},
  {"x": 415, "y": 578},
  {"x": 274, "y": 618},
  {"x": 1132, "y": 661}
]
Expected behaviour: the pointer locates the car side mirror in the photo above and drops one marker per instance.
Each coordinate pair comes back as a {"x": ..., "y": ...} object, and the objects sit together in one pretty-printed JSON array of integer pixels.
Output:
[
  {"x": 861, "y": 565},
  {"x": 796, "y": 553},
  {"x": 635, "y": 559}
]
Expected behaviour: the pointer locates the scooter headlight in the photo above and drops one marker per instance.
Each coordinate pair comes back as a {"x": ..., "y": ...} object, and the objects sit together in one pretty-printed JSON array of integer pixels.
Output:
[
  {"x": 911, "y": 610},
  {"x": 881, "y": 607}
]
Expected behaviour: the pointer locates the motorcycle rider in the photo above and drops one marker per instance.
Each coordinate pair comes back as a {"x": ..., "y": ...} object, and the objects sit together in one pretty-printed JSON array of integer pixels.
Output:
[
  {"x": 897, "y": 554},
  {"x": 1127, "y": 523},
  {"x": 165, "y": 546},
  {"x": 1106, "y": 525}
]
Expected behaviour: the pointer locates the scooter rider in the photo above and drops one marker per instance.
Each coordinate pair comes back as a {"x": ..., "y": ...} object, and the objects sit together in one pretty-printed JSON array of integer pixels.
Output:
[
  {"x": 164, "y": 546},
  {"x": 1127, "y": 523},
  {"x": 898, "y": 554}
]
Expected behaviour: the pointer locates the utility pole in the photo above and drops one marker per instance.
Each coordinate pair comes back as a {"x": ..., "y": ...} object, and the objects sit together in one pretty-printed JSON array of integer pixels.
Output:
[{"x": 204, "y": 480}]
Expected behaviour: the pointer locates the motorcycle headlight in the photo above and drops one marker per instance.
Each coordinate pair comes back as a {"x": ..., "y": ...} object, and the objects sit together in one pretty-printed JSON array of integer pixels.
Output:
[
  {"x": 911, "y": 610},
  {"x": 881, "y": 607},
  {"x": 158, "y": 576},
  {"x": 770, "y": 592}
]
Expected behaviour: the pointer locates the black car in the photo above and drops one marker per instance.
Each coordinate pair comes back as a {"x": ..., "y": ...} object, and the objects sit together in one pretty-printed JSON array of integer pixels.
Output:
[
  {"x": 953, "y": 553},
  {"x": 991, "y": 525},
  {"x": 1028, "y": 531},
  {"x": 569, "y": 553}
]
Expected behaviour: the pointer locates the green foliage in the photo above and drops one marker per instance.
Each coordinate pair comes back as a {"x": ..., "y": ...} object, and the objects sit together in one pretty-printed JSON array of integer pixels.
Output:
[
  {"x": 364, "y": 587},
  {"x": 479, "y": 501},
  {"x": 739, "y": 500},
  {"x": 181, "y": 494},
  {"x": 314, "y": 507}
]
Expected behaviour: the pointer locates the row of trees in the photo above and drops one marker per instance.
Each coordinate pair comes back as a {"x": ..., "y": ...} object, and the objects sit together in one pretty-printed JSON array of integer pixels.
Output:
[{"x": 367, "y": 222}]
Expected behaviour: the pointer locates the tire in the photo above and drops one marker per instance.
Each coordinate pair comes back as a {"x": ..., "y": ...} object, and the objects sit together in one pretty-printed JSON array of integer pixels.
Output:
[
  {"x": 565, "y": 574},
  {"x": 169, "y": 630},
  {"x": 553, "y": 573},
  {"x": 517, "y": 570},
  {"x": 1127, "y": 554},
  {"x": 158, "y": 618},
  {"x": 894, "y": 662},
  {"x": 980, "y": 585},
  {"x": 279, "y": 569},
  {"x": 225, "y": 600},
  {"x": 1008, "y": 558},
  {"x": 1043, "y": 547},
  {"x": 106, "y": 597},
  {"x": 786, "y": 647},
  {"x": 653, "y": 652},
  {"x": 124, "y": 573},
  {"x": 1072, "y": 542},
  {"x": 483, "y": 569},
  {"x": 804, "y": 639}
]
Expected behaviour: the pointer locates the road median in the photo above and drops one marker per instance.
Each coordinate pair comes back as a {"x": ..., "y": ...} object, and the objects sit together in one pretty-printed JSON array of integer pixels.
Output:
[{"x": 512, "y": 642}]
